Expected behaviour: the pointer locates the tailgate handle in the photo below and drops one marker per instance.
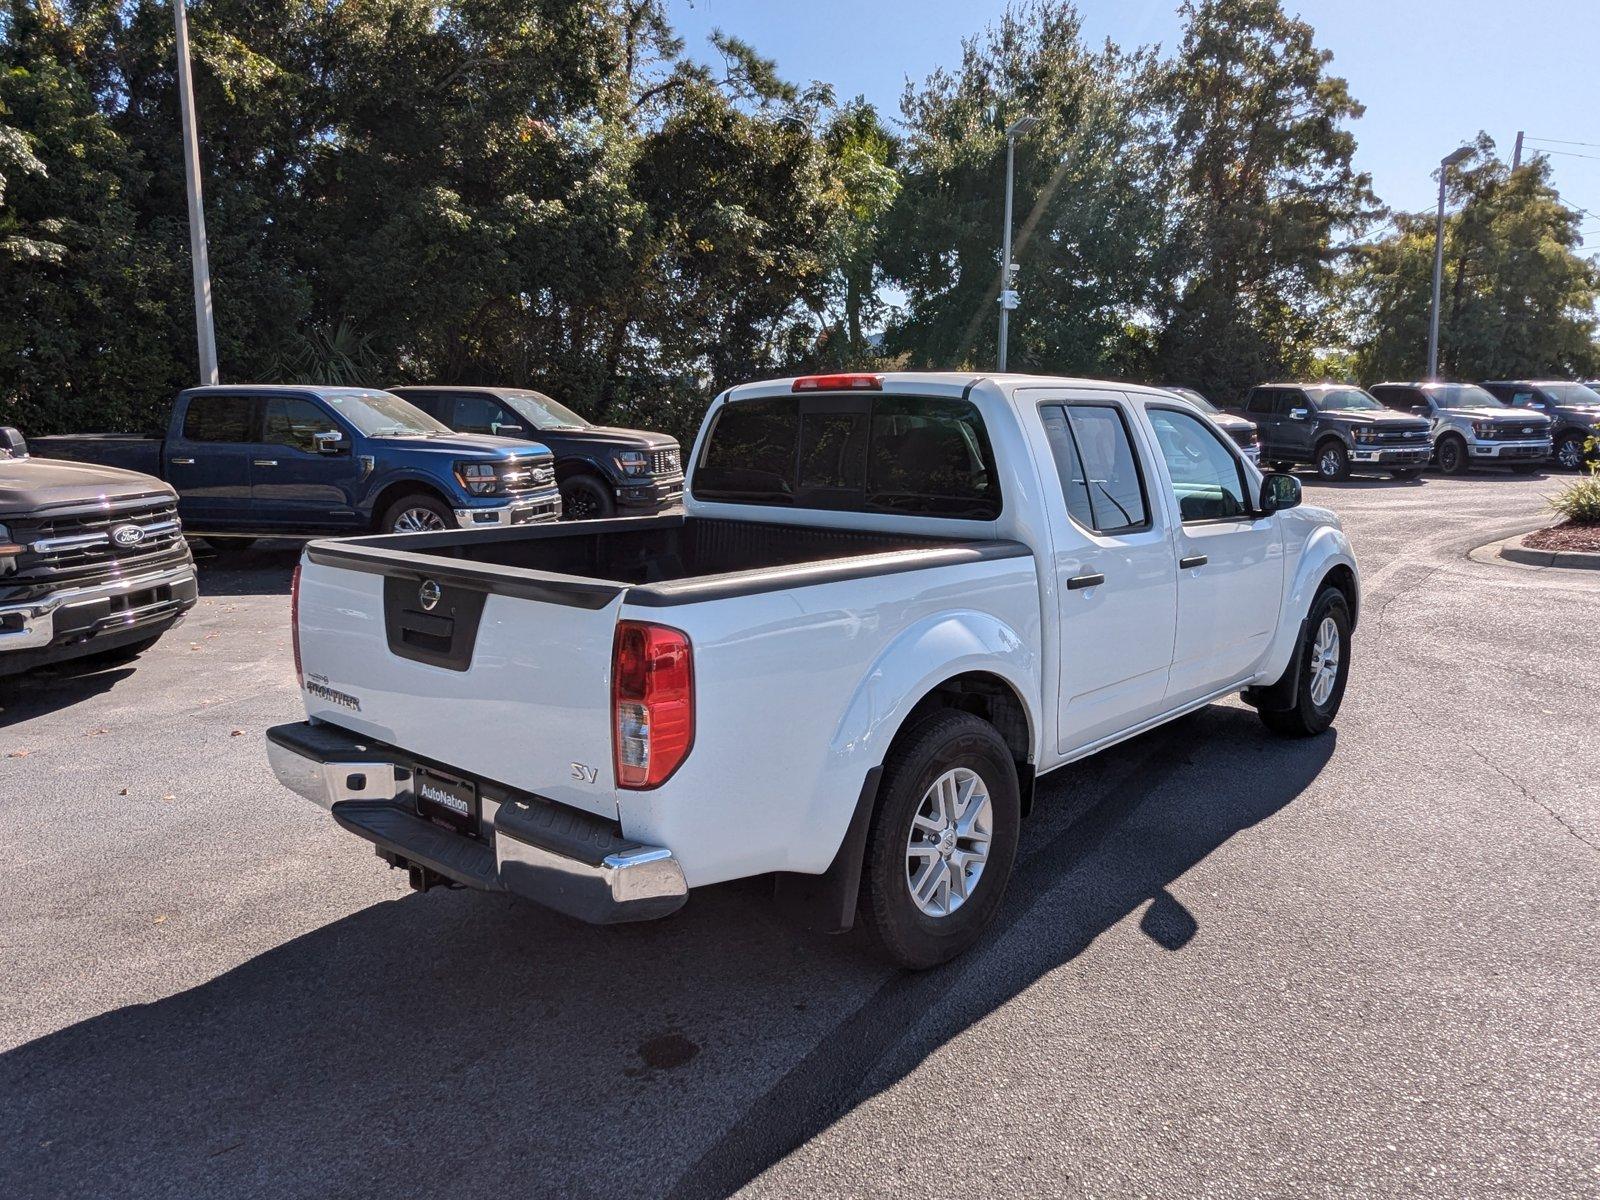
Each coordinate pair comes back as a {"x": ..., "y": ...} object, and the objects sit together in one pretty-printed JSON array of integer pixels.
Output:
[{"x": 426, "y": 624}]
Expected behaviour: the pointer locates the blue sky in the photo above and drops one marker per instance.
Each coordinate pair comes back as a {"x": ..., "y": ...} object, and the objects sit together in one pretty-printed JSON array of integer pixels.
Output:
[{"x": 1431, "y": 73}]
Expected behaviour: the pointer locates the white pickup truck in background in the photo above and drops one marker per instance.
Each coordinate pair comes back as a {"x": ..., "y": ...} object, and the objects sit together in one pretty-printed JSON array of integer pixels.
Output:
[{"x": 891, "y": 603}]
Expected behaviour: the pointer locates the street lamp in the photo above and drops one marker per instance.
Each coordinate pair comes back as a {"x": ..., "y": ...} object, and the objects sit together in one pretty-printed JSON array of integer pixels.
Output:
[
  {"x": 1448, "y": 161},
  {"x": 197, "y": 217},
  {"x": 1008, "y": 297}
]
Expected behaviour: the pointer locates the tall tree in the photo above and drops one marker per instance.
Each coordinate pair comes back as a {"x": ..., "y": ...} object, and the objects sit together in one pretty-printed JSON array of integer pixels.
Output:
[
  {"x": 1517, "y": 299},
  {"x": 1090, "y": 188},
  {"x": 1267, "y": 198}
]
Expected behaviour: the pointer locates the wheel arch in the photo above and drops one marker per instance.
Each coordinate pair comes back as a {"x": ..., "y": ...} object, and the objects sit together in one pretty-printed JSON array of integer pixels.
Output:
[{"x": 405, "y": 486}]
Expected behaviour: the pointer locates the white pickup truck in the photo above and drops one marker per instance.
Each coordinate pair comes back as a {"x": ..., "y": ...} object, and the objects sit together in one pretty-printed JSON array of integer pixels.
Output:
[{"x": 891, "y": 603}]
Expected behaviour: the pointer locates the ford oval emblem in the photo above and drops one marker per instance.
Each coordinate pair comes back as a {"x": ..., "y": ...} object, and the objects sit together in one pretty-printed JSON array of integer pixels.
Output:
[
  {"x": 127, "y": 536},
  {"x": 429, "y": 594}
]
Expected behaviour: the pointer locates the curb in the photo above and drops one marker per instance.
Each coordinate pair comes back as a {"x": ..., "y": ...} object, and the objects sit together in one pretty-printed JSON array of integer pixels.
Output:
[{"x": 1512, "y": 550}]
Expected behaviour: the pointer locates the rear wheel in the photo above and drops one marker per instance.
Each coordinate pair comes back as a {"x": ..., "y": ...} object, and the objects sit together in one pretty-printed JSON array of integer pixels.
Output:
[
  {"x": 942, "y": 842},
  {"x": 1324, "y": 667},
  {"x": 417, "y": 512},
  {"x": 1453, "y": 457},
  {"x": 1333, "y": 461},
  {"x": 585, "y": 498}
]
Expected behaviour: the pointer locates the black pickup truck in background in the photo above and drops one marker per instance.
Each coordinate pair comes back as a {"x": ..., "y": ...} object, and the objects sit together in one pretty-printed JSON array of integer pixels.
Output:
[
  {"x": 603, "y": 471},
  {"x": 92, "y": 560}
]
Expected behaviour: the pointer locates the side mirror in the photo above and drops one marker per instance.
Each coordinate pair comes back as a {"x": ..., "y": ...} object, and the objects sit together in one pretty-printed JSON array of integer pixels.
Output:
[
  {"x": 1279, "y": 491},
  {"x": 329, "y": 441},
  {"x": 12, "y": 443},
  {"x": 1299, "y": 414}
]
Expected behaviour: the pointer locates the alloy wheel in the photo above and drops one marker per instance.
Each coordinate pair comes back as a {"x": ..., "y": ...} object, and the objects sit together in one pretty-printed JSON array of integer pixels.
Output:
[
  {"x": 1329, "y": 464},
  {"x": 418, "y": 520},
  {"x": 1570, "y": 454},
  {"x": 1324, "y": 661},
  {"x": 949, "y": 842}
]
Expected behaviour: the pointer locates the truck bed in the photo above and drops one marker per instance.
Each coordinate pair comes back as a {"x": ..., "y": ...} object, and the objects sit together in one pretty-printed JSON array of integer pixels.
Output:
[
  {"x": 659, "y": 561},
  {"x": 130, "y": 451}
]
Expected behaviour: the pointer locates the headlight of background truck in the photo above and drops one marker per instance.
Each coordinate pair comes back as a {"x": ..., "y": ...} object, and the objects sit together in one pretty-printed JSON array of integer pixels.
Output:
[
  {"x": 8, "y": 552},
  {"x": 634, "y": 463},
  {"x": 479, "y": 478},
  {"x": 1363, "y": 433}
]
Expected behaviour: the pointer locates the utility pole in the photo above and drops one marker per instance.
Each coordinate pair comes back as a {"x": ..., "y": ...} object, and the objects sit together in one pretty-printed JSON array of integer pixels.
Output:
[
  {"x": 1445, "y": 164},
  {"x": 1516, "y": 155},
  {"x": 204, "y": 333},
  {"x": 1008, "y": 295}
]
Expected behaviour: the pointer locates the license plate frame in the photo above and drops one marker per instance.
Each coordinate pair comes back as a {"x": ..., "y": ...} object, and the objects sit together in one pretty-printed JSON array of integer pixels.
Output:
[{"x": 447, "y": 800}]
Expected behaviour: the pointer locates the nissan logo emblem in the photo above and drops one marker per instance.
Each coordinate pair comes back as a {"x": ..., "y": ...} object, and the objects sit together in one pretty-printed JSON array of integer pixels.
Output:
[
  {"x": 429, "y": 593},
  {"x": 127, "y": 536}
]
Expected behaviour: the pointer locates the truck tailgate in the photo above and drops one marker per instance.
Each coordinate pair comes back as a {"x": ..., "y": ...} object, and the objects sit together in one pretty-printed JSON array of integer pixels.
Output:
[{"x": 511, "y": 685}]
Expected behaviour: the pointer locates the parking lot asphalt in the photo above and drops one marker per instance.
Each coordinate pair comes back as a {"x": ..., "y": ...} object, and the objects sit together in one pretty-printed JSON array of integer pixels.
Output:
[{"x": 1364, "y": 964}]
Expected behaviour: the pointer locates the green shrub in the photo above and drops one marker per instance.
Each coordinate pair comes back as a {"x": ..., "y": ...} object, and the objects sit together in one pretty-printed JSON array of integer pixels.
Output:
[{"x": 1579, "y": 502}]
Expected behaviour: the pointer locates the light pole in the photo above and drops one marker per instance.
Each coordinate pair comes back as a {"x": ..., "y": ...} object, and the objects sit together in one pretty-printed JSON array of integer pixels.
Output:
[
  {"x": 1008, "y": 299},
  {"x": 1448, "y": 161},
  {"x": 197, "y": 217}
]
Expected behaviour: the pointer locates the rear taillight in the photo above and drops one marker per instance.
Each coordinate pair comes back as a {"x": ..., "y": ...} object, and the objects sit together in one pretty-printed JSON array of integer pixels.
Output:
[
  {"x": 652, "y": 703},
  {"x": 855, "y": 382},
  {"x": 294, "y": 621}
]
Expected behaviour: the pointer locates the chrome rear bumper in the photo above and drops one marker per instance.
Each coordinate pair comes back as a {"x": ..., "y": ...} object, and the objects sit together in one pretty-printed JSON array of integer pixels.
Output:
[{"x": 556, "y": 856}]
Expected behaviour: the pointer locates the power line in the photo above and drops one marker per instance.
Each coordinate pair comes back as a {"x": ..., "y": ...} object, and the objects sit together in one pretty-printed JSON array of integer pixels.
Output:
[
  {"x": 1564, "y": 142},
  {"x": 1568, "y": 153}
]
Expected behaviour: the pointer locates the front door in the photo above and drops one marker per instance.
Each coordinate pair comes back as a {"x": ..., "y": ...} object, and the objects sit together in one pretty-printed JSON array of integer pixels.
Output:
[
  {"x": 1113, "y": 568},
  {"x": 1230, "y": 561},
  {"x": 296, "y": 482}
]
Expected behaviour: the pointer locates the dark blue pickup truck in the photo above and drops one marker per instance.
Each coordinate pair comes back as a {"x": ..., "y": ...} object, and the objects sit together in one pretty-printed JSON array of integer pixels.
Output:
[{"x": 283, "y": 461}]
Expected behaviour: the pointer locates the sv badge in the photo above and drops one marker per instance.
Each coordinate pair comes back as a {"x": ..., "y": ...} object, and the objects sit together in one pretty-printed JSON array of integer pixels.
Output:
[{"x": 585, "y": 774}]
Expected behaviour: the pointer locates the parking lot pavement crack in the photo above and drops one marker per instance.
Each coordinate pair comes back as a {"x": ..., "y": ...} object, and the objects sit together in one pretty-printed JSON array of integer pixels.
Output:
[{"x": 1532, "y": 798}]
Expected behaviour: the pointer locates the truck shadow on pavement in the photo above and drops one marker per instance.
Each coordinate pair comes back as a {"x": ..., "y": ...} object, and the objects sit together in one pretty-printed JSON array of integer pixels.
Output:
[{"x": 469, "y": 1045}]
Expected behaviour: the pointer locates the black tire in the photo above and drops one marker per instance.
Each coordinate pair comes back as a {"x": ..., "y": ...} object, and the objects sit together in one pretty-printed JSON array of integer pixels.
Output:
[
  {"x": 229, "y": 547},
  {"x": 417, "y": 512},
  {"x": 585, "y": 498},
  {"x": 1568, "y": 453},
  {"x": 1404, "y": 473},
  {"x": 945, "y": 741},
  {"x": 1453, "y": 456},
  {"x": 1333, "y": 461},
  {"x": 1306, "y": 717}
]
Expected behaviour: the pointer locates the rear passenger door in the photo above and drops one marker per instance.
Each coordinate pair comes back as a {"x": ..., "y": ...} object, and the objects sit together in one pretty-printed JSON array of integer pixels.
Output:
[
  {"x": 1230, "y": 559},
  {"x": 1113, "y": 569},
  {"x": 1262, "y": 408},
  {"x": 210, "y": 461}
]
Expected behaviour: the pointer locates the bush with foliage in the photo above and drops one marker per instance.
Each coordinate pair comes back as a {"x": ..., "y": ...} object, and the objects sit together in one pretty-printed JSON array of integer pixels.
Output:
[{"x": 1579, "y": 502}]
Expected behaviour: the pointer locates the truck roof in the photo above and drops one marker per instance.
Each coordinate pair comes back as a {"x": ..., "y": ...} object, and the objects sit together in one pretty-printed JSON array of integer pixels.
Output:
[
  {"x": 279, "y": 389},
  {"x": 952, "y": 383}
]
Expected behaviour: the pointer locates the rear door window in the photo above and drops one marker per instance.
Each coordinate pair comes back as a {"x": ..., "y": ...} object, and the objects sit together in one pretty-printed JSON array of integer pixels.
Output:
[
  {"x": 1260, "y": 402},
  {"x": 474, "y": 413},
  {"x": 220, "y": 419},
  {"x": 1099, "y": 471},
  {"x": 916, "y": 455}
]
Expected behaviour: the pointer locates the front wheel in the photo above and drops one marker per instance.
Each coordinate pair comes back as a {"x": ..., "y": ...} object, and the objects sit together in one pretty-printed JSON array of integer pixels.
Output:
[
  {"x": 417, "y": 513},
  {"x": 1453, "y": 458},
  {"x": 1569, "y": 452},
  {"x": 1333, "y": 462},
  {"x": 1324, "y": 666},
  {"x": 585, "y": 498},
  {"x": 942, "y": 842}
]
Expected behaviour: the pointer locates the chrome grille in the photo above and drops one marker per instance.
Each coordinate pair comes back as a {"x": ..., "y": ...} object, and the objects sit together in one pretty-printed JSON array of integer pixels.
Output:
[
  {"x": 126, "y": 531},
  {"x": 1402, "y": 437},
  {"x": 666, "y": 462},
  {"x": 527, "y": 477}
]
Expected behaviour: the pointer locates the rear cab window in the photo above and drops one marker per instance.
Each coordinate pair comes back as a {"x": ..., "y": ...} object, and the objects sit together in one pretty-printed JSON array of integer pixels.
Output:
[
  {"x": 211, "y": 418},
  {"x": 923, "y": 456},
  {"x": 1101, "y": 479}
]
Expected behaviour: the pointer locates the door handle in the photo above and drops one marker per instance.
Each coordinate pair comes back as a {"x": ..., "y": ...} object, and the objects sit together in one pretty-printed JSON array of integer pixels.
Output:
[
  {"x": 1084, "y": 581},
  {"x": 266, "y": 462},
  {"x": 182, "y": 462},
  {"x": 1194, "y": 560}
]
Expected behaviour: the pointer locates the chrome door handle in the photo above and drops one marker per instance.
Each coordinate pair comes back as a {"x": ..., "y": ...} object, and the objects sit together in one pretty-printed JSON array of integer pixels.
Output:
[
  {"x": 266, "y": 462},
  {"x": 1194, "y": 560},
  {"x": 1084, "y": 581},
  {"x": 182, "y": 462}
]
